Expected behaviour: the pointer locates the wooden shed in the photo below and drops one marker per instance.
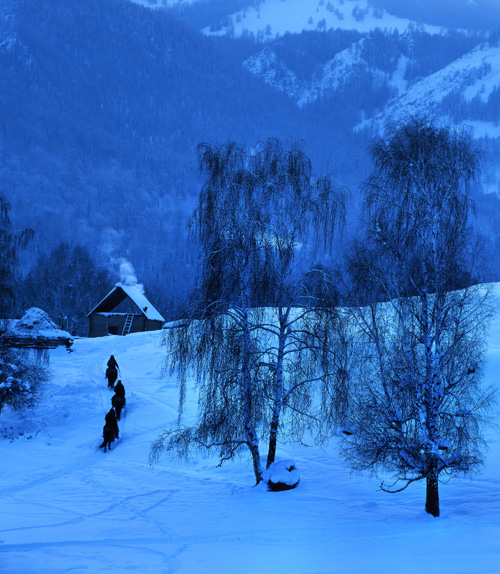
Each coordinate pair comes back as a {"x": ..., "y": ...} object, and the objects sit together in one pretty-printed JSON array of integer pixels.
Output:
[
  {"x": 35, "y": 330},
  {"x": 124, "y": 310}
]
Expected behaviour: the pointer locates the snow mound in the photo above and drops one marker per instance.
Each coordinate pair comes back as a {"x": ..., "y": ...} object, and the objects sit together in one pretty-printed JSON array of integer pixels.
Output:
[
  {"x": 281, "y": 475},
  {"x": 35, "y": 324}
]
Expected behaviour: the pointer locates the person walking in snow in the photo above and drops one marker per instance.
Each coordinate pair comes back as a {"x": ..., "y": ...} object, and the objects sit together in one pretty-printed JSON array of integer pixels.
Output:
[
  {"x": 120, "y": 389},
  {"x": 112, "y": 364},
  {"x": 108, "y": 434}
]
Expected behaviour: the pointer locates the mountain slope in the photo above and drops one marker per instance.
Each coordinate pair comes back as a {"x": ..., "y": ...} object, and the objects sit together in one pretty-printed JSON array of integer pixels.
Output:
[
  {"x": 102, "y": 105},
  {"x": 336, "y": 75},
  {"x": 267, "y": 19},
  {"x": 264, "y": 19},
  {"x": 473, "y": 78},
  {"x": 103, "y": 102}
]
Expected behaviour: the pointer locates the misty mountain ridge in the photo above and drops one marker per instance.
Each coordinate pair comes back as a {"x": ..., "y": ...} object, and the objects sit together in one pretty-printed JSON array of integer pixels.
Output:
[
  {"x": 103, "y": 103},
  {"x": 334, "y": 76},
  {"x": 272, "y": 21},
  {"x": 274, "y": 18},
  {"x": 474, "y": 77}
]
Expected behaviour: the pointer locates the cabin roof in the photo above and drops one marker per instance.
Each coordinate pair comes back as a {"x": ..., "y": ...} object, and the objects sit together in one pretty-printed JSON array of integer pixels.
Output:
[{"x": 119, "y": 293}]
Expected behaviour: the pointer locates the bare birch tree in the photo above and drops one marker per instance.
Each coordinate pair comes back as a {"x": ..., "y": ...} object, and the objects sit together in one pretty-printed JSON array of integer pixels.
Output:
[
  {"x": 416, "y": 404},
  {"x": 253, "y": 352}
]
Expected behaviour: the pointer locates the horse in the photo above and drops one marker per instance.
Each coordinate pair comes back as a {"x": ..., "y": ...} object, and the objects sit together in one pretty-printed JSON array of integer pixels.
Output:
[
  {"x": 118, "y": 402},
  {"x": 108, "y": 433},
  {"x": 111, "y": 375}
]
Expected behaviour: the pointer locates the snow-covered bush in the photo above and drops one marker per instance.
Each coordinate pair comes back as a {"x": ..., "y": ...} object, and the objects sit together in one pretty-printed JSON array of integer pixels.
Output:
[
  {"x": 281, "y": 475},
  {"x": 20, "y": 379}
]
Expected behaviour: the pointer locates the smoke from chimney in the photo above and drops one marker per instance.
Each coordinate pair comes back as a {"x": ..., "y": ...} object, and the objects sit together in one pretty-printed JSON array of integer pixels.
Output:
[{"x": 128, "y": 275}]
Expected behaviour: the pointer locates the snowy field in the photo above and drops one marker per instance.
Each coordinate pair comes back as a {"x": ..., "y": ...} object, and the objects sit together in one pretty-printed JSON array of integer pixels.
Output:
[{"x": 67, "y": 507}]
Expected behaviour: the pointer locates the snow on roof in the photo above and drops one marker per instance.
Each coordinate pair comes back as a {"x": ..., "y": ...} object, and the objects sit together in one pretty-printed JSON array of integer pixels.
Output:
[
  {"x": 142, "y": 302},
  {"x": 135, "y": 295}
]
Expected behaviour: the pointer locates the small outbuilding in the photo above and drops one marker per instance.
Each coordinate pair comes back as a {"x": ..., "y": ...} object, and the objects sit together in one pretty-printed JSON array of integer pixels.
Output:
[
  {"x": 35, "y": 330},
  {"x": 124, "y": 310}
]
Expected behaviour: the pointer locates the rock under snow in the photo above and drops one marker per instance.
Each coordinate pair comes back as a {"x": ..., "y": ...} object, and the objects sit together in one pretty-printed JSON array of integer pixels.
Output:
[{"x": 281, "y": 475}]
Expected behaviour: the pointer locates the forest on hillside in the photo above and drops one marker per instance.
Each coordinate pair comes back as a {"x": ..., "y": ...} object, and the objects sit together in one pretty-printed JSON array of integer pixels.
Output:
[{"x": 103, "y": 104}]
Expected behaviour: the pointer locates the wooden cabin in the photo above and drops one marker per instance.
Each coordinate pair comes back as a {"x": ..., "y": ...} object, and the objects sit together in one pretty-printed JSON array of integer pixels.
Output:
[{"x": 124, "y": 310}]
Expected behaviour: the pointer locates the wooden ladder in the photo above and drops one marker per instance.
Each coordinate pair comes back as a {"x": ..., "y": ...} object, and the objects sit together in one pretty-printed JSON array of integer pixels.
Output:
[{"x": 128, "y": 324}]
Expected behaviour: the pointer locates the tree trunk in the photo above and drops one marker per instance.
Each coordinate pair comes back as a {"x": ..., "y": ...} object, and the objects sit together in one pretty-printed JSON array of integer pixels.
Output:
[
  {"x": 273, "y": 436},
  {"x": 278, "y": 397},
  {"x": 251, "y": 433},
  {"x": 257, "y": 467},
  {"x": 432, "y": 494}
]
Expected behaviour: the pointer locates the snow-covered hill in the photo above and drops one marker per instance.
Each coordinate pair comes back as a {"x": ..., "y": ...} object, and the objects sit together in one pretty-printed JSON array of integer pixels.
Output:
[
  {"x": 445, "y": 94},
  {"x": 69, "y": 507},
  {"x": 266, "y": 19},
  {"x": 272, "y": 18},
  {"x": 333, "y": 76},
  {"x": 474, "y": 76},
  {"x": 155, "y": 4}
]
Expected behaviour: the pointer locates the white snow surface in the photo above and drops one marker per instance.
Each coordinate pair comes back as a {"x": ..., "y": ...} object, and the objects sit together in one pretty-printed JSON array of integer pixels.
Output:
[
  {"x": 67, "y": 507},
  {"x": 141, "y": 301}
]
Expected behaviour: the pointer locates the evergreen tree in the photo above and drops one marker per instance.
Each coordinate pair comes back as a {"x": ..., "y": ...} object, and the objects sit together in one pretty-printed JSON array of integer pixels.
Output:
[
  {"x": 11, "y": 242},
  {"x": 20, "y": 377},
  {"x": 66, "y": 284}
]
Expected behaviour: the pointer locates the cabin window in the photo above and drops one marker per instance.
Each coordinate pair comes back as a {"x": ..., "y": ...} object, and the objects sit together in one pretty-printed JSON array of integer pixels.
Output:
[{"x": 113, "y": 330}]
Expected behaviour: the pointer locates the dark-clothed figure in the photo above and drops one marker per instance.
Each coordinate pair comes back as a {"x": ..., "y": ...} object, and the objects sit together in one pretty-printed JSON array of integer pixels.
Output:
[
  {"x": 112, "y": 363},
  {"x": 120, "y": 389},
  {"x": 111, "y": 421},
  {"x": 118, "y": 402},
  {"x": 111, "y": 375}
]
